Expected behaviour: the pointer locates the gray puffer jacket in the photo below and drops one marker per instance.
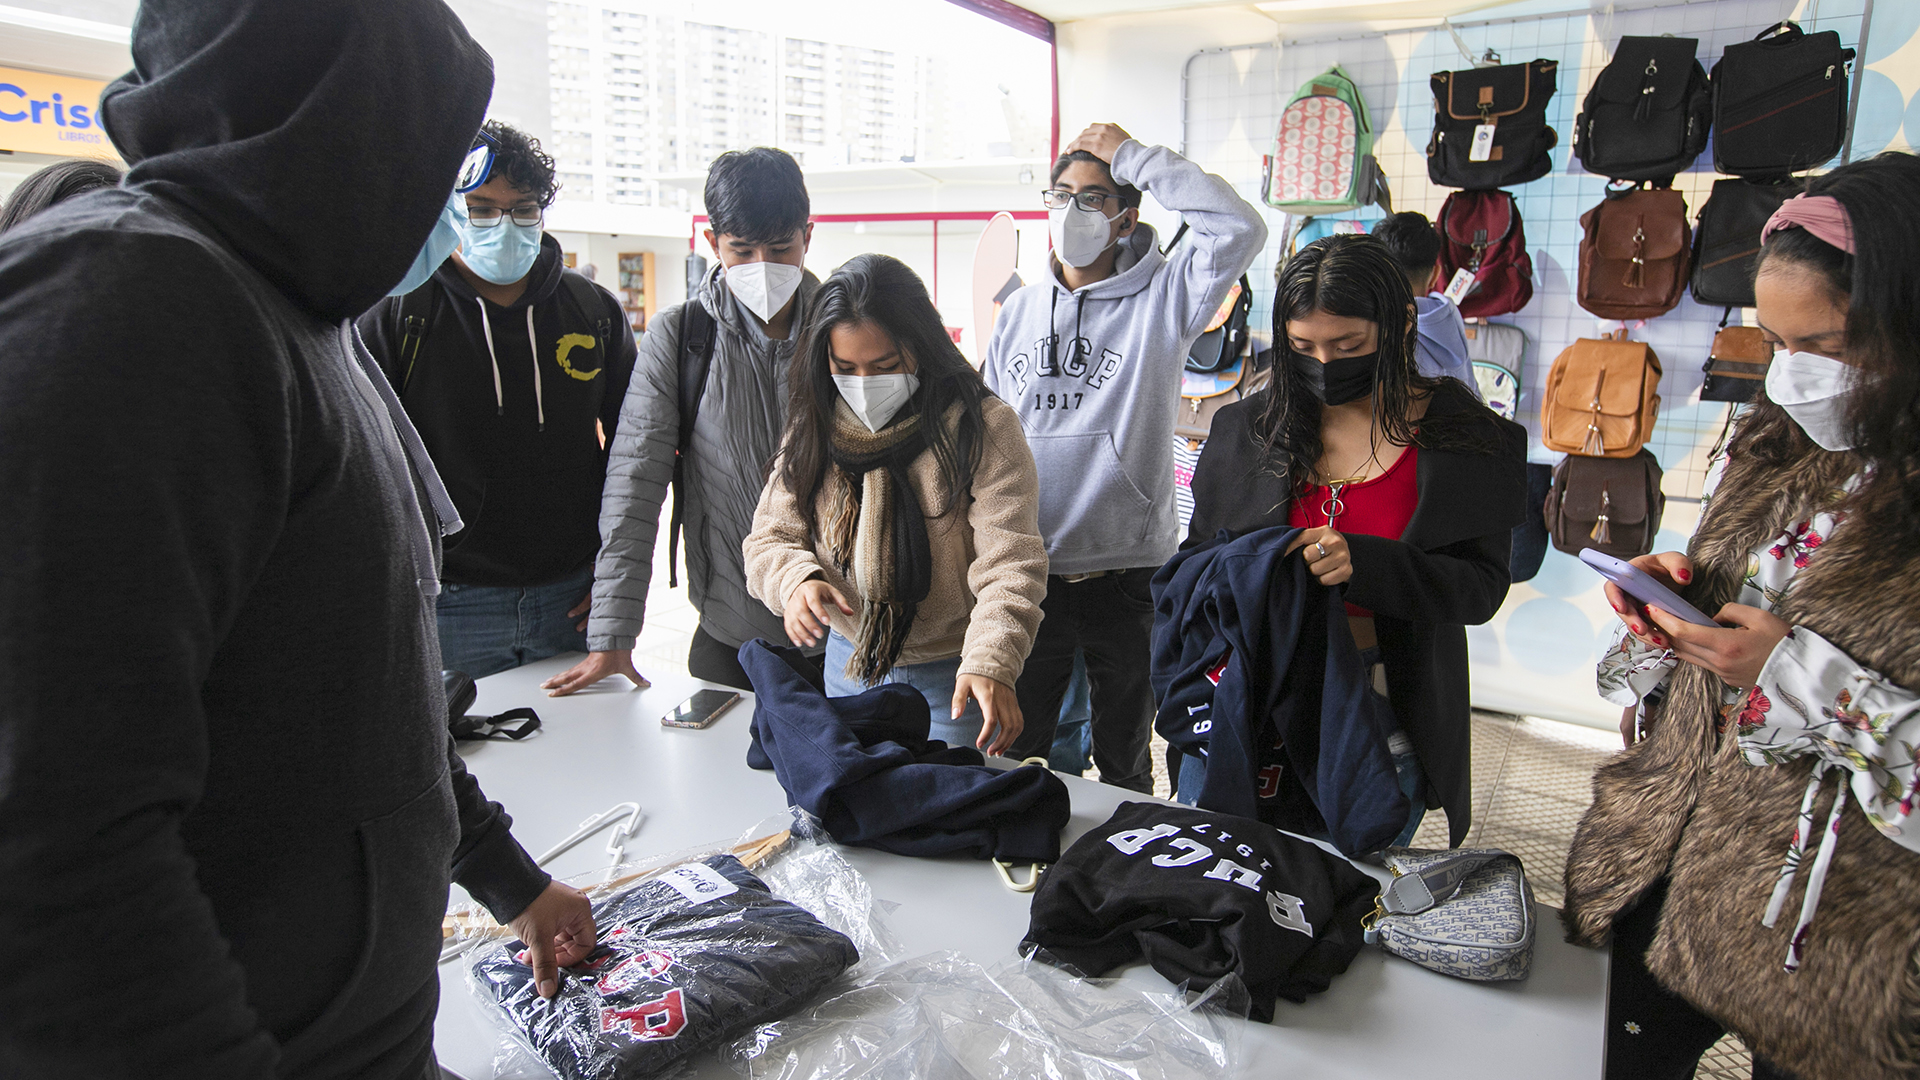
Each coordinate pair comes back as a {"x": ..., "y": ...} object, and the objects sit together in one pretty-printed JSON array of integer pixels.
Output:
[{"x": 735, "y": 435}]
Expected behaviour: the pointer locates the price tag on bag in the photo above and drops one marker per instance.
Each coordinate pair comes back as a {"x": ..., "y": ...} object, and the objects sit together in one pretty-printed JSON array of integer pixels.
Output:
[
  {"x": 1461, "y": 284},
  {"x": 1482, "y": 149}
]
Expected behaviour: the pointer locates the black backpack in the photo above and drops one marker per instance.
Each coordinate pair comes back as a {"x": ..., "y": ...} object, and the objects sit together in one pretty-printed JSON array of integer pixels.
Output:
[
  {"x": 1218, "y": 348},
  {"x": 696, "y": 363},
  {"x": 1511, "y": 97},
  {"x": 1780, "y": 102},
  {"x": 1726, "y": 246},
  {"x": 1647, "y": 115}
]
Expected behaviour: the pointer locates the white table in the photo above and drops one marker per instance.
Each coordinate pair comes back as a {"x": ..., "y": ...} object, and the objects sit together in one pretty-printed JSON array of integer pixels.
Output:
[{"x": 1384, "y": 1017}]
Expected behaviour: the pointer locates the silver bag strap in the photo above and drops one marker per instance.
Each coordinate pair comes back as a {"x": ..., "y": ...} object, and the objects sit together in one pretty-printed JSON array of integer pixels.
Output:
[{"x": 1410, "y": 893}]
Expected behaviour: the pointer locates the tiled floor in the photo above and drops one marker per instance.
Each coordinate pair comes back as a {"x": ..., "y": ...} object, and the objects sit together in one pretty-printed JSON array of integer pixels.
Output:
[{"x": 1531, "y": 782}]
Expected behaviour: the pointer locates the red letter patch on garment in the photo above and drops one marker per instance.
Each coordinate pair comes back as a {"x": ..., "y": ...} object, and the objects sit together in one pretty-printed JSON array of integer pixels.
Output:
[{"x": 650, "y": 1021}]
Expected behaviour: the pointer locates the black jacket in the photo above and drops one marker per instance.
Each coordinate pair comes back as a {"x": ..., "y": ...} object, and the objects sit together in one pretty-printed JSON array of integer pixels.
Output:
[
  {"x": 1449, "y": 570},
  {"x": 528, "y": 491},
  {"x": 229, "y": 806}
]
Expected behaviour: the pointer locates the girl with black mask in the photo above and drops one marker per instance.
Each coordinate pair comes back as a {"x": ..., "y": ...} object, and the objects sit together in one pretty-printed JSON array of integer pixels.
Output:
[{"x": 1406, "y": 489}]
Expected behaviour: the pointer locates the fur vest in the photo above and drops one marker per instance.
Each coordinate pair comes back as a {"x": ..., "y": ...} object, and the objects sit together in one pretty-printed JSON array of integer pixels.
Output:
[{"x": 1683, "y": 804}]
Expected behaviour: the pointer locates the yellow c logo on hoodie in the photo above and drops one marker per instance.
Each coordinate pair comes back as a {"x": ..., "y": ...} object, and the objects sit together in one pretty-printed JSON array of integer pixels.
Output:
[{"x": 568, "y": 343}]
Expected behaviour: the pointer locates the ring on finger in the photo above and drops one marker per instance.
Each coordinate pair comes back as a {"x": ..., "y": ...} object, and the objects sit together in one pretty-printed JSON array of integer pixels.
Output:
[{"x": 1321, "y": 548}]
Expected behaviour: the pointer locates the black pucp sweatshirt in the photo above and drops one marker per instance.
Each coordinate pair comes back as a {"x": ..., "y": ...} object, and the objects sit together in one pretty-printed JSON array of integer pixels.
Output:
[
  {"x": 525, "y": 467},
  {"x": 230, "y": 810}
]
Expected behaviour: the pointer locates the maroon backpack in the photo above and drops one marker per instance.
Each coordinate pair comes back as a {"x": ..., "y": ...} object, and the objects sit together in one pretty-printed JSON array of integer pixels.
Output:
[{"x": 1481, "y": 233}]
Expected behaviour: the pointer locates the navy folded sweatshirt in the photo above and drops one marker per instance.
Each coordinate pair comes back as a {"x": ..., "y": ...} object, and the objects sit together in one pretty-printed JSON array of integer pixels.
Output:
[
  {"x": 229, "y": 804},
  {"x": 864, "y": 766}
]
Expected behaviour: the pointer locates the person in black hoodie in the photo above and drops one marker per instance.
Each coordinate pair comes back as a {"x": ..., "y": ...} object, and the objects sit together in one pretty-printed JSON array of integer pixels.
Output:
[
  {"x": 228, "y": 821},
  {"x": 514, "y": 368},
  {"x": 1406, "y": 488}
]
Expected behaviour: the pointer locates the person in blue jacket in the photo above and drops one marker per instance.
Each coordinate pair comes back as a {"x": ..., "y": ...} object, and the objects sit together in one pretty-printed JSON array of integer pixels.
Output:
[
  {"x": 1406, "y": 487},
  {"x": 1440, "y": 334}
]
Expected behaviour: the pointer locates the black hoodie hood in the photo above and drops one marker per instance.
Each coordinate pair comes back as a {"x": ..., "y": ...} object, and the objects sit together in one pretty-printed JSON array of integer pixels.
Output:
[{"x": 319, "y": 138}]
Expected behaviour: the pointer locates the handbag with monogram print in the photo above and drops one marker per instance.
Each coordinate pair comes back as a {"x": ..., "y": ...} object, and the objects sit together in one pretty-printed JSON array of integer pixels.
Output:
[{"x": 1466, "y": 913}]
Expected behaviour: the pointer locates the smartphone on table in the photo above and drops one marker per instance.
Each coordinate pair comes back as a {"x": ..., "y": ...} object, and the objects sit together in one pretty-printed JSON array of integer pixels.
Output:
[
  {"x": 1643, "y": 587},
  {"x": 700, "y": 710}
]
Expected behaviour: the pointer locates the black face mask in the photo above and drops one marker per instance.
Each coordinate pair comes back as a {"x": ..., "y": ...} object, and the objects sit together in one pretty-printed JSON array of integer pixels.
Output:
[{"x": 1336, "y": 382}]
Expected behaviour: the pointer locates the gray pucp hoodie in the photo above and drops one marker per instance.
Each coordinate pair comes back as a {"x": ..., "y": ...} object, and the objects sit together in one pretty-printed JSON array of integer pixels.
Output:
[
  {"x": 741, "y": 416},
  {"x": 1095, "y": 373}
]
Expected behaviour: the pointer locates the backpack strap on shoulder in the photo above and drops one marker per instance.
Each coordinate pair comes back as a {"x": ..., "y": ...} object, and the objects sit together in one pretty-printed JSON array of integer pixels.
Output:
[
  {"x": 695, "y": 363},
  {"x": 415, "y": 311},
  {"x": 588, "y": 296}
]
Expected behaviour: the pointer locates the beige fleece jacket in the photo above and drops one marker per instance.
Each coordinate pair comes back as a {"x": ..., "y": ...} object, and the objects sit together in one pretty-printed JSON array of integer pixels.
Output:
[{"x": 989, "y": 562}]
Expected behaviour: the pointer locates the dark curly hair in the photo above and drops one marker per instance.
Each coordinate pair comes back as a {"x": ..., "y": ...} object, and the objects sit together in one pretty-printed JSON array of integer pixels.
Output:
[{"x": 522, "y": 163}]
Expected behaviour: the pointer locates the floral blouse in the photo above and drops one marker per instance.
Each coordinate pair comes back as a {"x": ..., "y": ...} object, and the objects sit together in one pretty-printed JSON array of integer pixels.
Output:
[{"x": 1812, "y": 700}]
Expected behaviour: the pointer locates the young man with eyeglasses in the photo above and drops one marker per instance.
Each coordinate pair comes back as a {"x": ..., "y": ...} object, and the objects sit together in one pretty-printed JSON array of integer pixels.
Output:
[
  {"x": 513, "y": 369},
  {"x": 1090, "y": 358}
]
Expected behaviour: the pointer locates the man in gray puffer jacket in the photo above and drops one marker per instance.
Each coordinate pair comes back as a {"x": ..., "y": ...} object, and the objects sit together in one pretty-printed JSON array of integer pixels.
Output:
[{"x": 758, "y": 208}]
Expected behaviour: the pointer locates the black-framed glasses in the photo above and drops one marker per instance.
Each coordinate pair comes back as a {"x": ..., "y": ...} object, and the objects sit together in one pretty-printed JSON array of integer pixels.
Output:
[
  {"x": 487, "y": 217},
  {"x": 1057, "y": 199}
]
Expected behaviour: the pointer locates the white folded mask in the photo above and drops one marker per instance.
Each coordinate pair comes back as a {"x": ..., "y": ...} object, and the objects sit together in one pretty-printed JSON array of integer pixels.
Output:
[
  {"x": 765, "y": 287},
  {"x": 1814, "y": 389},
  {"x": 876, "y": 399}
]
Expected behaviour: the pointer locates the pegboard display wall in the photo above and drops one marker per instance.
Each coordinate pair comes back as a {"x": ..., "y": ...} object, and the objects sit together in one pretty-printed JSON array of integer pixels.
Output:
[{"x": 1233, "y": 99}]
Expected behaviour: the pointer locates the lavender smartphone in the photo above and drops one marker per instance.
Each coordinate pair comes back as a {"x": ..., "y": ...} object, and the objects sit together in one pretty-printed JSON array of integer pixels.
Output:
[{"x": 1641, "y": 586}]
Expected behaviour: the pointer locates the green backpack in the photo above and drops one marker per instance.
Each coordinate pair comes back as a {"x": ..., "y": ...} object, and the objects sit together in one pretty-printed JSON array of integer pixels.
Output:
[{"x": 1322, "y": 160}]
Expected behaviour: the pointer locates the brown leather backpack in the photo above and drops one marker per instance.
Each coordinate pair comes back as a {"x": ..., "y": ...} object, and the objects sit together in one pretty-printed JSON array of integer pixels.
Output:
[
  {"x": 1636, "y": 254},
  {"x": 1602, "y": 398},
  {"x": 1613, "y": 504}
]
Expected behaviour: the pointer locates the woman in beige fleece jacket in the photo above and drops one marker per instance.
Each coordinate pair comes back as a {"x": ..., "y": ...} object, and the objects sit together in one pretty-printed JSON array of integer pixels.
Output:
[{"x": 901, "y": 519}]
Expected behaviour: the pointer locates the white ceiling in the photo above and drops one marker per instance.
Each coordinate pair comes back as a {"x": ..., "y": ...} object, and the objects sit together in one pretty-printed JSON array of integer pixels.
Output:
[{"x": 1280, "y": 11}]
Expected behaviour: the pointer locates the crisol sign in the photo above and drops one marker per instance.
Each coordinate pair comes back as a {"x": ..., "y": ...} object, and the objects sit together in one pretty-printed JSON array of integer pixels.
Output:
[{"x": 51, "y": 114}]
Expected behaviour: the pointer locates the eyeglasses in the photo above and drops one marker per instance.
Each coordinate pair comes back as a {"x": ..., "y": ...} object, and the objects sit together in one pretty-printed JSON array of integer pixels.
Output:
[
  {"x": 488, "y": 217},
  {"x": 1056, "y": 199}
]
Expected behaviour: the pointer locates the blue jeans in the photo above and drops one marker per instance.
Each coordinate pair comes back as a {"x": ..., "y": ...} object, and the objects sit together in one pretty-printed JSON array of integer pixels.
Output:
[
  {"x": 1073, "y": 740},
  {"x": 934, "y": 679},
  {"x": 486, "y": 629},
  {"x": 1413, "y": 779}
]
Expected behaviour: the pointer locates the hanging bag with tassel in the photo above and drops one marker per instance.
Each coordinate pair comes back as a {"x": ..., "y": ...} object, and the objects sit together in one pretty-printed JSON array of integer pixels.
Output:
[
  {"x": 1602, "y": 398},
  {"x": 1612, "y": 504}
]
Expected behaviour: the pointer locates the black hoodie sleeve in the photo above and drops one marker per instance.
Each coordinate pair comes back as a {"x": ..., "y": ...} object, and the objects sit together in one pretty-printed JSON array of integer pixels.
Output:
[
  {"x": 489, "y": 863},
  {"x": 163, "y": 526},
  {"x": 1462, "y": 583}
]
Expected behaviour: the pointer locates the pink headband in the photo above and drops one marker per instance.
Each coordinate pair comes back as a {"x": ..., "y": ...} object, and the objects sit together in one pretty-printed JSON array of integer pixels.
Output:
[{"x": 1821, "y": 215}]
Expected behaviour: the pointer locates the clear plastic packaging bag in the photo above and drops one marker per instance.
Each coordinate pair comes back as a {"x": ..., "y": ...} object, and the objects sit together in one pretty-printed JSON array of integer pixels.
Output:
[
  {"x": 944, "y": 1017},
  {"x": 783, "y": 897}
]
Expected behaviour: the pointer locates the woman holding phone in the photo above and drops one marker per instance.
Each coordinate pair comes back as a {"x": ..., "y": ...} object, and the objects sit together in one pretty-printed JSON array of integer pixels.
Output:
[
  {"x": 901, "y": 520},
  {"x": 1406, "y": 487},
  {"x": 1752, "y": 852}
]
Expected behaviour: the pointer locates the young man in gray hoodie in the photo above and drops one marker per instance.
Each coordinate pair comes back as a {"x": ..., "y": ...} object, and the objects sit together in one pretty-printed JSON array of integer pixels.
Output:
[{"x": 1090, "y": 358}]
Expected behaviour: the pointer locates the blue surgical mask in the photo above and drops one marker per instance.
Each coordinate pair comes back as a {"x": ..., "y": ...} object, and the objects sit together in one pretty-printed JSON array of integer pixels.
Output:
[
  {"x": 440, "y": 244},
  {"x": 502, "y": 254}
]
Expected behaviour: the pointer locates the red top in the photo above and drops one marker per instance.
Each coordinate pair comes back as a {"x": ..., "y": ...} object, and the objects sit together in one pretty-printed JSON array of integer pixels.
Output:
[{"x": 1381, "y": 506}]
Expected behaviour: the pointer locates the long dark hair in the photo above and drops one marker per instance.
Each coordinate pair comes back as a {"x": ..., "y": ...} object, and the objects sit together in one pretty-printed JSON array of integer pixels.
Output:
[
  {"x": 55, "y": 184},
  {"x": 884, "y": 292},
  {"x": 1353, "y": 276},
  {"x": 1881, "y": 281}
]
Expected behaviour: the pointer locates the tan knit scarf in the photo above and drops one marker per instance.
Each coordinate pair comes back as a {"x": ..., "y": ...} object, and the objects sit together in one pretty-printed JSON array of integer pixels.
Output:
[{"x": 876, "y": 535}]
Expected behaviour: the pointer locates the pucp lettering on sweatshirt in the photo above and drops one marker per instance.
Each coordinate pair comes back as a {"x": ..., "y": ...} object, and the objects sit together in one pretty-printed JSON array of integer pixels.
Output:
[
  {"x": 1049, "y": 360},
  {"x": 1287, "y": 911}
]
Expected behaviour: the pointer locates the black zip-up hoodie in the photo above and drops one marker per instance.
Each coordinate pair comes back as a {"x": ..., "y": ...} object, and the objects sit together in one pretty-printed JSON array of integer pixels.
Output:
[
  {"x": 229, "y": 806},
  {"x": 524, "y": 464}
]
